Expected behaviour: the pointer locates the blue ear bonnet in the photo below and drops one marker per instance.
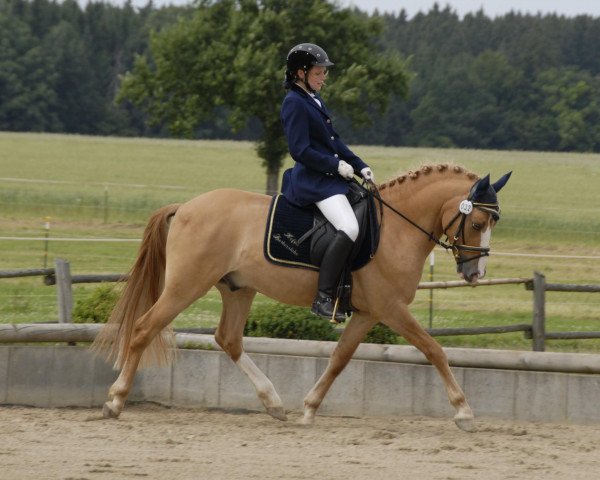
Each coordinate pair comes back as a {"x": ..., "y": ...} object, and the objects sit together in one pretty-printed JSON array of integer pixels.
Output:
[{"x": 485, "y": 193}]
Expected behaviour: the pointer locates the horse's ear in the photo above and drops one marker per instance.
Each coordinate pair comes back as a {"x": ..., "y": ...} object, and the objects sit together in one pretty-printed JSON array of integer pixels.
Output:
[
  {"x": 501, "y": 182},
  {"x": 480, "y": 187}
]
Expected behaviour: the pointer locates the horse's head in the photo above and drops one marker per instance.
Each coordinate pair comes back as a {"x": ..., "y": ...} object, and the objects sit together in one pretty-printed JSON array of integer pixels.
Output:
[{"x": 469, "y": 230}]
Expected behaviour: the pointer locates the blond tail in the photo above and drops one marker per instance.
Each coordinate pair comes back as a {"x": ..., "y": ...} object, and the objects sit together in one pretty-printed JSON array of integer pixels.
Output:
[{"x": 140, "y": 292}]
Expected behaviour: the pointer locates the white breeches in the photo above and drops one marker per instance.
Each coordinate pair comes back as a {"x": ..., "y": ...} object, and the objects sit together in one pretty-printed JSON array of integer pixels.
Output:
[{"x": 338, "y": 211}]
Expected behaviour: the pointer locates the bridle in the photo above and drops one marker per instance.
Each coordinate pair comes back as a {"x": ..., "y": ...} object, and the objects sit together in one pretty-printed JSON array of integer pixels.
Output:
[
  {"x": 451, "y": 242},
  {"x": 465, "y": 208}
]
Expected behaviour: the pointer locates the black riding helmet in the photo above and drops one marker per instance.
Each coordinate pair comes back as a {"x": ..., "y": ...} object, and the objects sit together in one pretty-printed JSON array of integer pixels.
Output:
[{"x": 303, "y": 56}]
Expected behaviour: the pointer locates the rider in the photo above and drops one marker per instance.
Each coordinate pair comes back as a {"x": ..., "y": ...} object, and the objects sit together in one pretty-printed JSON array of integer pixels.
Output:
[{"x": 323, "y": 164}]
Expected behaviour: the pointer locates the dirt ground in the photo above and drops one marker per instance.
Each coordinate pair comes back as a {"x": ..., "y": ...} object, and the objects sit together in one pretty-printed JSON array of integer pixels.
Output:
[{"x": 150, "y": 441}]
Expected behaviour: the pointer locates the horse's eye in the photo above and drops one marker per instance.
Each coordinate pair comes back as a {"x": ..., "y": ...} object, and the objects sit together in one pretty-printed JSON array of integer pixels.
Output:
[{"x": 477, "y": 226}]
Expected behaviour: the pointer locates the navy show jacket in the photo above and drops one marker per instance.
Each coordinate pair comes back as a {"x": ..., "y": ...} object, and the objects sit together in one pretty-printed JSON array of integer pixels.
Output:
[{"x": 316, "y": 148}]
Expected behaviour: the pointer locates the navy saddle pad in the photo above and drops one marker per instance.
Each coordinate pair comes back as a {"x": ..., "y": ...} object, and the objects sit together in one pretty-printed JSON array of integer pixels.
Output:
[{"x": 288, "y": 223}]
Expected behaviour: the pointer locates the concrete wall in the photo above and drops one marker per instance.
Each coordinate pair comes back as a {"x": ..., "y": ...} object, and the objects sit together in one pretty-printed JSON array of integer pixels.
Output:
[{"x": 59, "y": 376}]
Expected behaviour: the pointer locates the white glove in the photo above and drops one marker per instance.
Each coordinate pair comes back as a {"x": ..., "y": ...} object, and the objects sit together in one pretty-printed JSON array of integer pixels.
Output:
[
  {"x": 367, "y": 174},
  {"x": 345, "y": 170}
]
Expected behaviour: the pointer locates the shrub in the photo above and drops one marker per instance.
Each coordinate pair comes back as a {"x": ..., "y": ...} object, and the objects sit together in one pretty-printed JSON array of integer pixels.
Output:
[
  {"x": 96, "y": 307},
  {"x": 284, "y": 321},
  {"x": 381, "y": 334}
]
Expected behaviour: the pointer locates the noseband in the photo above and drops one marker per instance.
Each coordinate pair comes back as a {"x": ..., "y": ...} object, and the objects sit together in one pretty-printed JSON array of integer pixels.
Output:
[{"x": 465, "y": 208}]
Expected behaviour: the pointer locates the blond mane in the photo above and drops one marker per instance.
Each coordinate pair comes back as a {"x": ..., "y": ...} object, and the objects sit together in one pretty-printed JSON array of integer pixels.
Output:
[{"x": 427, "y": 170}]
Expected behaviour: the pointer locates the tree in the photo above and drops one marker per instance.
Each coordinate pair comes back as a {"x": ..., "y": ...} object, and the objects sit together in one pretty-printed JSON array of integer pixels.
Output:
[
  {"x": 80, "y": 107},
  {"x": 232, "y": 53},
  {"x": 467, "y": 104},
  {"x": 27, "y": 99},
  {"x": 571, "y": 97}
]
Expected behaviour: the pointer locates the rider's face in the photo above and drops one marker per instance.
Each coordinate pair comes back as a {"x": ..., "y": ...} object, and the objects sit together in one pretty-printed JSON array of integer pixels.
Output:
[{"x": 316, "y": 77}]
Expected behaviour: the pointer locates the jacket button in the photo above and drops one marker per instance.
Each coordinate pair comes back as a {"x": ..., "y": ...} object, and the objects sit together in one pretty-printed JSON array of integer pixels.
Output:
[
  {"x": 332, "y": 137},
  {"x": 336, "y": 155},
  {"x": 328, "y": 120}
]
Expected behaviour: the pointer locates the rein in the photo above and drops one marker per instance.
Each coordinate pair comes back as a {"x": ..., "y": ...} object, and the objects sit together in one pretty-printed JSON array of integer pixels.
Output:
[{"x": 465, "y": 208}]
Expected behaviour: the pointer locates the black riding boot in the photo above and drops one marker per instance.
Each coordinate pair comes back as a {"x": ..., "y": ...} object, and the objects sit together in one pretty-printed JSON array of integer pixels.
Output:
[{"x": 332, "y": 265}]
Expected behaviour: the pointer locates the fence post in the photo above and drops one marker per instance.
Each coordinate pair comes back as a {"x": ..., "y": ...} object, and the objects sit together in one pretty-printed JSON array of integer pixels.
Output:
[
  {"x": 538, "y": 327},
  {"x": 431, "y": 267},
  {"x": 63, "y": 290}
]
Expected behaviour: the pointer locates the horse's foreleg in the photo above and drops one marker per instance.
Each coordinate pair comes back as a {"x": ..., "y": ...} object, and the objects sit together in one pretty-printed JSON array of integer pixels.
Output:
[
  {"x": 412, "y": 331},
  {"x": 229, "y": 335},
  {"x": 353, "y": 334}
]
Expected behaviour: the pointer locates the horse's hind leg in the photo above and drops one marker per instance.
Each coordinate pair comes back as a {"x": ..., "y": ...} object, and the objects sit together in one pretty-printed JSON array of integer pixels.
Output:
[
  {"x": 410, "y": 329},
  {"x": 146, "y": 328},
  {"x": 353, "y": 334},
  {"x": 229, "y": 335}
]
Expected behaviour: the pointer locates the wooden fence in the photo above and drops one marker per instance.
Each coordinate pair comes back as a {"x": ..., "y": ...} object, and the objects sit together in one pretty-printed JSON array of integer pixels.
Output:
[
  {"x": 538, "y": 327},
  {"x": 536, "y": 331}
]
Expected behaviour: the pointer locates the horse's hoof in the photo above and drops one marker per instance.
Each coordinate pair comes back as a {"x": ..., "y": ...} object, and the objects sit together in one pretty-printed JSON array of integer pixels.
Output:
[
  {"x": 108, "y": 411},
  {"x": 307, "y": 420},
  {"x": 278, "y": 413},
  {"x": 466, "y": 424},
  {"x": 305, "y": 423}
]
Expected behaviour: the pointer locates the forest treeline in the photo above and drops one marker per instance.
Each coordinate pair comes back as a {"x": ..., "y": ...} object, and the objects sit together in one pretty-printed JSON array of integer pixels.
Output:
[{"x": 528, "y": 82}]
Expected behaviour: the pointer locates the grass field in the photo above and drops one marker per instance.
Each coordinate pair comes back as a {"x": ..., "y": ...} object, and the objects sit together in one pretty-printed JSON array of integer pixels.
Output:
[{"x": 101, "y": 188}]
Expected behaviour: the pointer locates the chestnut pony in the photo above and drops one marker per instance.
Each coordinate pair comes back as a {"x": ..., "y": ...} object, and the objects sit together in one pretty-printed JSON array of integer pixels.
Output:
[{"x": 216, "y": 239}]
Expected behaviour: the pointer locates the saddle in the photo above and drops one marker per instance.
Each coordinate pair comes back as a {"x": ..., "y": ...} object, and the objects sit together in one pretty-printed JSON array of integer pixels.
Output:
[{"x": 298, "y": 236}]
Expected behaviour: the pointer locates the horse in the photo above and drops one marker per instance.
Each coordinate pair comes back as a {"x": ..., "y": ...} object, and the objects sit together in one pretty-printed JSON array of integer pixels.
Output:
[{"x": 214, "y": 240}]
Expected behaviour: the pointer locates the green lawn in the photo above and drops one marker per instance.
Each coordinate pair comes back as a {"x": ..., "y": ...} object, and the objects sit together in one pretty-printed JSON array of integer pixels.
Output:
[{"x": 96, "y": 187}]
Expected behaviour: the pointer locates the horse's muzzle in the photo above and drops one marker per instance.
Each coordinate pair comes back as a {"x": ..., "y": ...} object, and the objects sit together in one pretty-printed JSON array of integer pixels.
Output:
[
  {"x": 471, "y": 278},
  {"x": 470, "y": 271}
]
